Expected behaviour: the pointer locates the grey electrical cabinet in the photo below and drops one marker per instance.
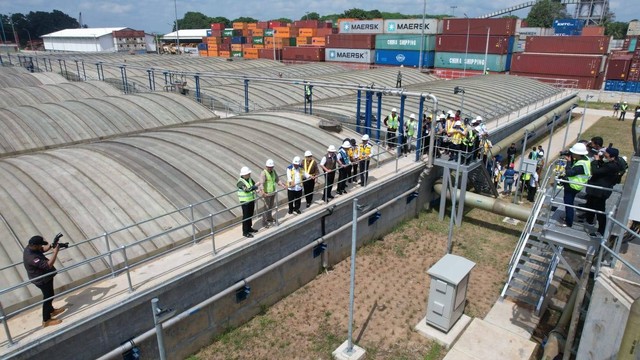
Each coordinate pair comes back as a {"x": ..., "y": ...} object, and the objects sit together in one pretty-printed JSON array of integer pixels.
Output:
[{"x": 448, "y": 291}]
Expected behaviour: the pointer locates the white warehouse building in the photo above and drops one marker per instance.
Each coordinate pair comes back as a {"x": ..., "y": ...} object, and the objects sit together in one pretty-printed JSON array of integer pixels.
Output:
[{"x": 119, "y": 39}]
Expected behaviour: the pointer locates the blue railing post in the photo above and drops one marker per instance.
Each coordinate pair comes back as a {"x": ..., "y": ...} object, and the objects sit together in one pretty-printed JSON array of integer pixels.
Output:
[
  {"x": 401, "y": 135},
  {"x": 358, "y": 111},
  {"x": 166, "y": 77},
  {"x": 379, "y": 115},
  {"x": 246, "y": 95},
  {"x": 367, "y": 113},
  {"x": 420, "y": 124},
  {"x": 197, "y": 80},
  {"x": 310, "y": 99}
]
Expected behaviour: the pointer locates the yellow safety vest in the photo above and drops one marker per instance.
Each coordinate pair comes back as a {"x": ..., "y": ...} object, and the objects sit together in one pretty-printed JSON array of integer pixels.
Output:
[
  {"x": 393, "y": 122},
  {"x": 246, "y": 196},
  {"x": 292, "y": 171},
  {"x": 308, "y": 166},
  {"x": 582, "y": 178},
  {"x": 411, "y": 127},
  {"x": 365, "y": 151},
  {"x": 270, "y": 182}
]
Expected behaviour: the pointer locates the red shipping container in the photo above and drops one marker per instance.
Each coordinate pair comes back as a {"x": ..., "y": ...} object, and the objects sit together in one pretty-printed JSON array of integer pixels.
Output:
[
  {"x": 262, "y": 25},
  {"x": 306, "y": 24},
  {"x": 567, "y": 44},
  {"x": 217, "y": 26},
  {"x": 502, "y": 26},
  {"x": 582, "y": 82},
  {"x": 593, "y": 31},
  {"x": 477, "y": 44},
  {"x": 224, "y": 47},
  {"x": 618, "y": 68},
  {"x": 276, "y": 23},
  {"x": 226, "y": 40},
  {"x": 311, "y": 53},
  {"x": 326, "y": 31},
  {"x": 327, "y": 25},
  {"x": 554, "y": 64},
  {"x": 216, "y": 33},
  {"x": 351, "y": 41},
  {"x": 268, "y": 54}
]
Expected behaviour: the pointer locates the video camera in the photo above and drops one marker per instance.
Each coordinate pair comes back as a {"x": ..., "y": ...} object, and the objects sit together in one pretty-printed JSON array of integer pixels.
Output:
[
  {"x": 56, "y": 242},
  {"x": 565, "y": 153}
]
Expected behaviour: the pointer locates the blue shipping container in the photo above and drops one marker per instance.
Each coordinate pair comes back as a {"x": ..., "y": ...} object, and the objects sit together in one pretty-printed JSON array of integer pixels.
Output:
[
  {"x": 568, "y": 27},
  {"x": 610, "y": 85},
  {"x": 238, "y": 40},
  {"x": 631, "y": 86},
  {"x": 621, "y": 85},
  {"x": 405, "y": 58},
  {"x": 202, "y": 46},
  {"x": 208, "y": 32}
]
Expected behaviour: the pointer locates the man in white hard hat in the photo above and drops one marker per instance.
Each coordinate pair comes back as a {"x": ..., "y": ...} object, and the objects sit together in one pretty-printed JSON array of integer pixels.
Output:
[
  {"x": 329, "y": 164},
  {"x": 295, "y": 177},
  {"x": 364, "y": 152},
  {"x": 392, "y": 122},
  {"x": 246, "y": 189},
  {"x": 578, "y": 173},
  {"x": 457, "y": 134},
  {"x": 411, "y": 131},
  {"x": 267, "y": 187},
  {"x": 343, "y": 163},
  {"x": 623, "y": 111},
  {"x": 311, "y": 172}
]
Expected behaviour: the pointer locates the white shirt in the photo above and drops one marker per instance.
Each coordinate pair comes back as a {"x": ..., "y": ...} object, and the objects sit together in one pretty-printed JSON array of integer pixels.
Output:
[
  {"x": 294, "y": 178},
  {"x": 534, "y": 180}
]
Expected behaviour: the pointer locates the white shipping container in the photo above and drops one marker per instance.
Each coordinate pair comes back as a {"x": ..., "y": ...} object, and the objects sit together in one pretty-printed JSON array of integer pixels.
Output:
[
  {"x": 412, "y": 26},
  {"x": 523, "y": 32},
  {"x": 363, "y": 56},
  {"x": 361, "y": 26},
  {"x": 634, "y": 28}
]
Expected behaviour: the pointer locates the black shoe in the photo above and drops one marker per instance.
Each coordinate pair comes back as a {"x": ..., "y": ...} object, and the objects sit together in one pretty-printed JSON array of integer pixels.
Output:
[
  {"x": 252, "y": 230},
  {"x": 298, "y": 212},
  {"x": 249, "y": 235},
  {"x": 344, "y": 191},
  {"x": 338, "y": 192},
  {"x": 308, "y": 204},
  {"x": 290, "y": 211},
  {"x": 330, "y": 197}
]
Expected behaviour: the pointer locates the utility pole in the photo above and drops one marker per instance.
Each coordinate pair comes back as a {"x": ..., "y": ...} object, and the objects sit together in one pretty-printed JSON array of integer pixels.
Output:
[{"x": 175, "y": 5}]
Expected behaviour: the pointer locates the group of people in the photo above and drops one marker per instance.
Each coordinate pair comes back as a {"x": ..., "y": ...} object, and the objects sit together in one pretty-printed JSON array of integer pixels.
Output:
[
  {"x": 620, "y": 111},
  {"x": 461, "y": 137},
  {"x": 506, "y": 174},
  {"x": 351, "y": 161}
]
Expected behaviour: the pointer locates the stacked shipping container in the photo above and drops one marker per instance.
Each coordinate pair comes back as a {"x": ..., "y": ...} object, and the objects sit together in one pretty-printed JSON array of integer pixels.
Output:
[
  {"x": 401, "y": 42},
  {"x": 623, "y": 73}
]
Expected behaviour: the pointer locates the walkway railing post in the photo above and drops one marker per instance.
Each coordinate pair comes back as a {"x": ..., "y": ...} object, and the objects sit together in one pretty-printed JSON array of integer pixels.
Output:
[
  {"x": 126, "y": 266},
  {"x": 108, "y": 247},
  {"x": 213, "y": 234},
  {"x": 379, "y": 115},
  {"x": 193, "y": 224},
  {"x": 358, "y": 102},
  {"x": 3, "y": 318}
]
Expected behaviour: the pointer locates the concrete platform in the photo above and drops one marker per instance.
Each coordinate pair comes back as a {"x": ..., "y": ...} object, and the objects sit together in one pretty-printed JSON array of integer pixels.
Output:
[
  {"x": 518, "y": 319},
  {"x": 444, "y": 339},
  {"x": 341, "y": 352},
  {"x": 483, "y": 340}
]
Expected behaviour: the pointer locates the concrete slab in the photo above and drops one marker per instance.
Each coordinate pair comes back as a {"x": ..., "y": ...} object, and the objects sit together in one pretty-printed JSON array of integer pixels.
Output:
[
  {"x": 483, "y": 340},
  {"x": 517, "y": 319},
  {"x": 340, "y": 353},
  {"x": 444, "y": 339},
  {"x": 455, "y": 354}
]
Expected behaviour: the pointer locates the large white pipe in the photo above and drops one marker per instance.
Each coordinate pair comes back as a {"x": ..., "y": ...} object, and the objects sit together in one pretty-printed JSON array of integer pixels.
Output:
[{"x": 493, "y": 205}]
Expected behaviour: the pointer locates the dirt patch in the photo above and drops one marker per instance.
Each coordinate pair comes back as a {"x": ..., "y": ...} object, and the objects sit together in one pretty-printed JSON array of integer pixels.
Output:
[{"x": 391, "y": 295}]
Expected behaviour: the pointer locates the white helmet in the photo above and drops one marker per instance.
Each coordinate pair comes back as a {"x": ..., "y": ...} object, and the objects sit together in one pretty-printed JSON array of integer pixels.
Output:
[
  {"x": 579, "y": 149},
  {"x": 245, "y": 171},
  {"x": 296, "y": 160},
  {"x": 458, "y": 122},
  {"x": 479, "y": 118},
  {"x": 412, "y": 116},
  {"x": 441, "y": 116},
  {"x": 394, "y": 110},
  {"x": 307, "y": 153},
  {"x": 451, "y": 113},
  {"x": 331, "y": 148},
  {"x": 270, "y": 163},
  {"x": 365, "y": 137},
  {"x": 346, "y": 145}
]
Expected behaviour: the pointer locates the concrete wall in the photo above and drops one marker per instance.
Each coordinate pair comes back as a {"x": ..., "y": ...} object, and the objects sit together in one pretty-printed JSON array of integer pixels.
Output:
[{"x": 106, "y": 331}]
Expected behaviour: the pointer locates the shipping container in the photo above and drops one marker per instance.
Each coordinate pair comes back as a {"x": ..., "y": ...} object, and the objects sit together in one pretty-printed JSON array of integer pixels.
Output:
[
  {"x": 268, "y": 32},
  {"x": 217, "y": 26},
  {"x": 495, "y": 63},
  {"x": 502, "y": 26},
  {"x": 314, "y": 24},
  {"x": 523, "y": 32},
  {"x": 236, "y": 47},
  {"x": 202, "y": 46},
  {"x": 412, "y": 26},
  {"x": 213, "y": 53},
  {"x": 618, "y": 67},
  {"x": 225, "y": 54},
  {"x": 208, "y": 33},
  {"x": 309, "y": 53},
  {"x": 349, "y": 26},
  {"x": 236, "y": 54},
  {"x": 554, "y": 64},
  {"x": 216, "y": 33},
  {"x": 303, "y": 40},
  {"x": 284, "y": 32},
  {"x": 231, "y": 32},
  {"x": 634, "y": 28},
  {"x": 257, "y": 40},
  {"x": 568, "y": 44},
  {"x": 270, "y": 54},
  {"x": 319, "y": 41},
  {"x": 203, "y": 53},
  {"x": 239, "y": 25},
  {"x": 567, "y": 27},
  {"x": 257, "y": 32},
  {"x": 631, "y": 87},
  {"x": 364, "y": 56},
  {"x": 277, "y": 23},
  {"x": 581, "y": 82},
  {"x": 258, "y": 46},
  {"x": 351, "y": 41},
  {"x": 405, "y": 42},
  {"x": 250, "y": 53},
  {"x": 476, "y": 44},
  {"x": 404, "y": 57},
  {"x": 326, "y": 31},
  {"x": 307, "y": 32},
  {"x": 252, "y": 26},
  {"x": 262, "y": 25},
  {"x": 614, "y": 85},
  {"x": 238, "y": 40},
  {"x": 593, "y": 31}
]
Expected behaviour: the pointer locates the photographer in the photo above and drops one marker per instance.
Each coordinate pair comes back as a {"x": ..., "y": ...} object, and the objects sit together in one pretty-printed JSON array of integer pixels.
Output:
[{"x": 38, "y": 265}]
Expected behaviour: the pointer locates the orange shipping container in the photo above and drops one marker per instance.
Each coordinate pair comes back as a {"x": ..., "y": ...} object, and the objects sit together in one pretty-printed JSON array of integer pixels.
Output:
[
  {"x": 318, "y": 41},
  {"x": 250, "y": 53},
  {"x": 252, "y": 26},
  {"x": 257, "y": 32},
  {"x": 282, "y": 32},
  {"x": 236, "y": 47},
  {"x": 593, "y": 31},
  {"x": 202, "y": 52},
  {"x": 303, "y": 40},
  {"x": 307, "y": 32},
  {"x": 213, "y": 53},
  {"x": 239, "y": 26},
  {"x": 224, "y": 53},
  {"x": 258, "y": 46}
]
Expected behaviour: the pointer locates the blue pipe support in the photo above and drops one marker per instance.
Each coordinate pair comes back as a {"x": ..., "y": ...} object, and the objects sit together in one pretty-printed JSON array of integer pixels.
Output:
[
  {"x": 246, "y": 95},
  {"x": 367, "y": 112},
  {"x": 197, "y": 79},
  {"x": 400, "y": 136},
  {"x": 379, "y": 114},
  {"x": 420, "y": 118},
  {"x": 358, "y": 111},
  {"x": 77, "y": 69},
  {"x": 150, "y": 82},
  {"x": 310, "y": 99}
]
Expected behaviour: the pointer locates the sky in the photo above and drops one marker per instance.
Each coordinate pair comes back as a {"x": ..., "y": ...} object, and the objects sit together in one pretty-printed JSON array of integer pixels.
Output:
[{"x": 159, "y": 15}]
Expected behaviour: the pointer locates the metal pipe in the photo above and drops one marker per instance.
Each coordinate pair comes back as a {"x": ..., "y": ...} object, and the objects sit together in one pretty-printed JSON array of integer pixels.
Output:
[
  {"x": 493, "y": 205},
  {"x": 354, "y": 238},
  {"x": 575, "y": 315},
  {"x": 557, "y": 336},
  {"x": 158, "y": 328},
  {"x": 629, "y": 346}
]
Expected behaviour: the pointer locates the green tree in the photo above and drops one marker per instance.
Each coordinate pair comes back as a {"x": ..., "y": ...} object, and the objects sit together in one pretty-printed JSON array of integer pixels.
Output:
[
  {"x": 285, "y": 20},
  {"x": 356, "y": 14},
  {"x": 220, "y": 20},
  {"x": 245, "y": 19},
  {"x": 616, "y": 29},
  {"x": 544, "y": 12},
  {"x": 194, "y": 20},
  {"x": 311, "y": 16},
  {"x": 35, "y": 24}
]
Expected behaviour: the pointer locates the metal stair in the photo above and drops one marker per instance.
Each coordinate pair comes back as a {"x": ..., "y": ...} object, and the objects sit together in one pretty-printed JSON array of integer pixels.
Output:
[{"x": 482, "y": 181}]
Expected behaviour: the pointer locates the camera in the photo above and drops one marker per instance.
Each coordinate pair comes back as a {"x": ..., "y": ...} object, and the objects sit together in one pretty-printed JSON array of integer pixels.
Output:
[
  {"x": 56, "y": 242},
  {"x": 565, "y": 153}
]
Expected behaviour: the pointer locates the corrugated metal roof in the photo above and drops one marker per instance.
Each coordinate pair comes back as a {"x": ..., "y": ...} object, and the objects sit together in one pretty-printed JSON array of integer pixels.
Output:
[
  {"x": 186, "y": 34},
  {"x": 80, "y": 33}
]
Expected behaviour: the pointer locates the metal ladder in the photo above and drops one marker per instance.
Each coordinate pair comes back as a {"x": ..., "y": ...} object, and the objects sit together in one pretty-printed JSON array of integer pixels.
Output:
[
  {"x": 482, "y": 181},
  {"x": 533, "y": 263}
]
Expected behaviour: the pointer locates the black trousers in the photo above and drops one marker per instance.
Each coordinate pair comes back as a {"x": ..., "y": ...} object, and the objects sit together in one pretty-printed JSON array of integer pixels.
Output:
[
  {"x": 342, "y": 179},
  {"x": 47, "y": 293},
  {"x": 599, "y": 204},
  {"x": 308, "y": 186},
  {"x": 295, "y": 198},
  {"x": 248, "y": 208},
  {"x": 330, "y": 178},
  {"x": 531, "y": 193},
  {"x": 354, "y": 172},
  {"x": 391, "y": 138},
  {"x": 364, "y": 171}
]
